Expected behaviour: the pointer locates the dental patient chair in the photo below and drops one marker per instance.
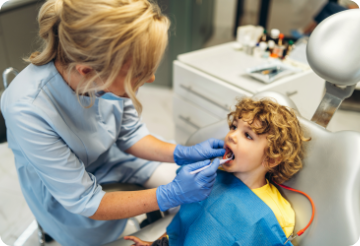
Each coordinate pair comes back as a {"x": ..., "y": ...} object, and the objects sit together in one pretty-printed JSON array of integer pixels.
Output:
[{"x": 331, "y": 173}]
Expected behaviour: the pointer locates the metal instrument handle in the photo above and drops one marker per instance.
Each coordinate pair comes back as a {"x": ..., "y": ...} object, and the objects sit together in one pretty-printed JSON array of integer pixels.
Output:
[
  {"x": 290, "y": 238},
  {"x": 6, "y": 73},
  {"x": 330, "y": 103},
  {"x": 211, "y": 100}
]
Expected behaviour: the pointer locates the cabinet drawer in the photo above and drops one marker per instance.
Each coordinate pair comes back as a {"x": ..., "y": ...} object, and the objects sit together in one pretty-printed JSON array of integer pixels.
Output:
[
  {"x": 207, "y": 92},
  {"x": 190, "y": 117}
]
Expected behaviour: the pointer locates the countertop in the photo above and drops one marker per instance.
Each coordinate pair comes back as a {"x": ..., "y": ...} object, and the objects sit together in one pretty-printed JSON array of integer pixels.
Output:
[{"x": 229, "y": 65}]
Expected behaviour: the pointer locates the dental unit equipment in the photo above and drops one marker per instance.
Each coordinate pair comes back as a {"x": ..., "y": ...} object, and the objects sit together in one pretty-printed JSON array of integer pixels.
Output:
[{"x": 331, "y": 173}]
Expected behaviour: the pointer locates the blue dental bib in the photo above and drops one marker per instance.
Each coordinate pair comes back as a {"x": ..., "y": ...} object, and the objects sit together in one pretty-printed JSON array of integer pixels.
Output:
[{"x": 232, "y": 215}]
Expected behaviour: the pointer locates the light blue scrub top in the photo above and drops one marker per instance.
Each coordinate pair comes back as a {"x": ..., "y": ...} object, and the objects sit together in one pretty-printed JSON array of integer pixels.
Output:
[{"x": 63, "y": 151}]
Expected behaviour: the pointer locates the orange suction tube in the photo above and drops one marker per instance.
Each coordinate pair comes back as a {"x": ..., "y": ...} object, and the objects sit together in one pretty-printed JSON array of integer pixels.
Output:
[{"x": 300, "y": 232}]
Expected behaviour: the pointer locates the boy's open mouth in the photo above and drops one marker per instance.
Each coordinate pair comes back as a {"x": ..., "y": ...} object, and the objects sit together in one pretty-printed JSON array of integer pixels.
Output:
[{"x": 228, "y": 154}]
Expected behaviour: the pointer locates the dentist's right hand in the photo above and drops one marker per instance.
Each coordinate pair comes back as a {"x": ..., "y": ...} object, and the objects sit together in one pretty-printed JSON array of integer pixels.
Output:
[{"x": 186, "y": 187}]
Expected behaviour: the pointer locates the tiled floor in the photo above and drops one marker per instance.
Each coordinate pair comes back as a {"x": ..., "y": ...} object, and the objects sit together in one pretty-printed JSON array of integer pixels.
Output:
[{"x": 15, "y": 216}]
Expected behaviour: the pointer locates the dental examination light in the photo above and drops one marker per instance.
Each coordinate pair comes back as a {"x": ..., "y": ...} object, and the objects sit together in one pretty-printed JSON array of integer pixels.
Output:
[{"x": 333, "y": 52}]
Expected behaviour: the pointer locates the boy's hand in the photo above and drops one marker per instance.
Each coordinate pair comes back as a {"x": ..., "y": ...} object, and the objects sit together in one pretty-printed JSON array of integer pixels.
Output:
[{"x": 137, "y": 241}]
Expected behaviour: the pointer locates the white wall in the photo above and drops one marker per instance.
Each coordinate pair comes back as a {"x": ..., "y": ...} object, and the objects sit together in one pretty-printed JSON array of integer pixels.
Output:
[
  {"x": 225, "y": 12},
  {"x": 224, "y": 20},
  {"x": 284, "y": 14},
  {"x": 305, "y": 10}
]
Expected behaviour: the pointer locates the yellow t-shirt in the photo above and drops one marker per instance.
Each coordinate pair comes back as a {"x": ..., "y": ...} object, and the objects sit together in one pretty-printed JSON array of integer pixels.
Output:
[{"x": 282, "y": 209}]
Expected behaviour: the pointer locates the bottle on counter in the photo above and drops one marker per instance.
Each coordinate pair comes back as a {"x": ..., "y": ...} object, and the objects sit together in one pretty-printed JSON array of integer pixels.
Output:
[
  {"x": 279, "y": 48},
  {"x": 263, "y": 47},
  {"x": 246, "y": 44},
  {"x": 263, "y": 37},
  {"x": 274, "y": 34},
  {"x": 271, "y": 46},
  {"x": 250, "y": 47},
  {"x": 257, "y": 51},
  {"x": 290, "y": 47}
]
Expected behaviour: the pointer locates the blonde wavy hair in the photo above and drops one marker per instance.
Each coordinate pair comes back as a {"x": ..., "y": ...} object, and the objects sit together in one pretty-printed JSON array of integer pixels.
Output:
[
  {"x": 104, "y": 35},
  {"x": 284, "y": 134}
]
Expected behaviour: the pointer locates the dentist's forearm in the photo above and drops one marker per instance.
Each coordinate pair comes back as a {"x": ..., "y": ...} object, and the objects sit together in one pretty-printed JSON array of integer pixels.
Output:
[
  {"x": 151, "y": 148},
  {"x": 126, "y": 204}
]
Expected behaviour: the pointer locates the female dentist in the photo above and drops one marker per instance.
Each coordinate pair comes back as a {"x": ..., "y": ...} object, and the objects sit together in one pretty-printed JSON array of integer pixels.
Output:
[{"x": 72, "y": 121}]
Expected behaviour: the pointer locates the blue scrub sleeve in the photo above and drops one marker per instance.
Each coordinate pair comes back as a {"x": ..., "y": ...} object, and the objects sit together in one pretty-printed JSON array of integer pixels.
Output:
[
  {"x": 132, "y": 130},
  {"x": 61, "y": 172}
]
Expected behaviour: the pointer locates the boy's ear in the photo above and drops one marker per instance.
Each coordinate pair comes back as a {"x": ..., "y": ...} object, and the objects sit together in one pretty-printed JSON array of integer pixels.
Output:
[{"x": 271, "y": 163}]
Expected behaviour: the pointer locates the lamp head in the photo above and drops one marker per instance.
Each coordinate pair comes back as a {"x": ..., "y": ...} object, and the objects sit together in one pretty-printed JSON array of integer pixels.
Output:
[{"x": 333, "y": 50}]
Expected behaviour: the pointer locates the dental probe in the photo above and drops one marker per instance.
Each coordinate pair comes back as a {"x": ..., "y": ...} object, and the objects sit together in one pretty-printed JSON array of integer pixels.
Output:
[{"x": 223, "y": 161}]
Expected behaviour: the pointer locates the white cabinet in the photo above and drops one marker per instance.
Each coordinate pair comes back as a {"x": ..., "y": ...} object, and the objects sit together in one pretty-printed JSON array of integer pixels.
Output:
[
  {"x": 209, "y": 93},
  {"x": 188, "y": 118},
  {"x": 208, "y": 82}
]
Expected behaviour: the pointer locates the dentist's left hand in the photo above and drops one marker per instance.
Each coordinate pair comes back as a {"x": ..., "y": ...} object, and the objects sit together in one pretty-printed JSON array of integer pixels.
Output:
[{"x": 208, "y": 149}]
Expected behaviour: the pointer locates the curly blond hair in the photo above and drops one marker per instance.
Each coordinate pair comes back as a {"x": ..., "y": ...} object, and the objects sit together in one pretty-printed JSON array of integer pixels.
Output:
[
  {"x": 284, "y": 134},
  {"x": 104, "y": 35}
]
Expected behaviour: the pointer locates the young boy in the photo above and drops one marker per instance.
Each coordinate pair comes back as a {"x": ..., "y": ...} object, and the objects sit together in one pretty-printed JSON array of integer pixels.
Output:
[{"x": 266, "y": 141}]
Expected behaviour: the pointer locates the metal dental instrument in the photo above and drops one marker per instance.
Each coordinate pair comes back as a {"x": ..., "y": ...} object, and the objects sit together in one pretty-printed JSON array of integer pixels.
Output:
[{"x": 223, "y": 161}]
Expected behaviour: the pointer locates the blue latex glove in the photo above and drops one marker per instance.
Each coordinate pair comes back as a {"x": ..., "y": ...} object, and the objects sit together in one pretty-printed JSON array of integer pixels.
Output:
[
  {"x": 208, "y": 149},
  {"x": 186, "y": 187}
]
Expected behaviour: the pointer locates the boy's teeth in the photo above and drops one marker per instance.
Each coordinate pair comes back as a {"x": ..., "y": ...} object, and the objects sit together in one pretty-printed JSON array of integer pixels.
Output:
[{"x": 228, "y": 154}]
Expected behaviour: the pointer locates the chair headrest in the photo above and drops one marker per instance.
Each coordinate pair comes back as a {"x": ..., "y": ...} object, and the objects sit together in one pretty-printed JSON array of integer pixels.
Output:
[
  {"x": 279, "y": 98},
  {"x": 220, "y": 129}
]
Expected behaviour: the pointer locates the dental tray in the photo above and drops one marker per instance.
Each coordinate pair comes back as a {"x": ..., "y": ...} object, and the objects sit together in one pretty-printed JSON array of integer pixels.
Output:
[{"x": 270, "y": 72}]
